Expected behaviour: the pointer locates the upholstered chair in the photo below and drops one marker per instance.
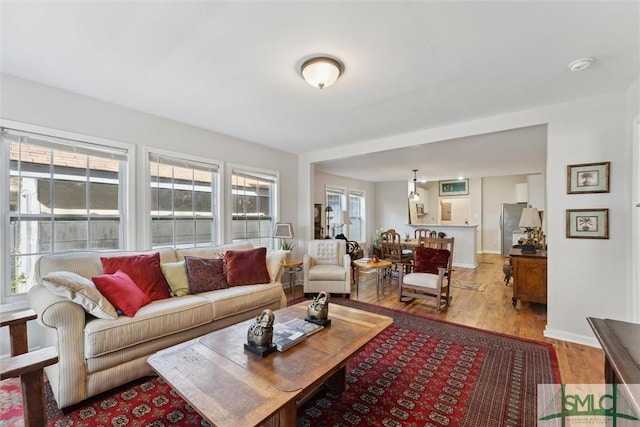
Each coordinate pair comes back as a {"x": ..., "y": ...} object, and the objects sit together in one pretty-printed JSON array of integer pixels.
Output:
[
  {"x": 431, "y": 274},
  {"x": 327, "y": 267}
]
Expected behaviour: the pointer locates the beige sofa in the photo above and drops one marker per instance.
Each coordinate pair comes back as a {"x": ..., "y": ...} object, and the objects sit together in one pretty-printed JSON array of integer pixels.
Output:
[{"x": 98, "y": 354}]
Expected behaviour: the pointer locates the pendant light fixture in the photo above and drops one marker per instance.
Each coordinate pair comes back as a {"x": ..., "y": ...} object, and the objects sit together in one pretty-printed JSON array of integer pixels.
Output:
[{"x": 414, "y": 195}]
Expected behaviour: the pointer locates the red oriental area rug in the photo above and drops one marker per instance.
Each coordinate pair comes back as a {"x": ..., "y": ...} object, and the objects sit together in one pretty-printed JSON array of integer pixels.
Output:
[{"x": 419, "y": 372}]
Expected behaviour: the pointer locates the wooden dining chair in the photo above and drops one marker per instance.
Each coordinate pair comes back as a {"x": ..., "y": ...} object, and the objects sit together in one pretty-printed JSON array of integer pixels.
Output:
[
  {"x": 431, "y": 274},
  {"x": 421, "y": 232},
  {"x": 391, "y": 247}
]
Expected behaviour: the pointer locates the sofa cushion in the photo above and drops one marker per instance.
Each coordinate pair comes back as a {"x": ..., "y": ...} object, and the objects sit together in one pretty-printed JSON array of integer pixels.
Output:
[
  {"x": 88, "y": 263},
  {"x": 80, "y": 290},
  {"x": 427, "y": 260},
  {"x": 122, "y": 292},
  {"x": 327, "y": 252},
  {"x": 212, "y": 251},
  {"x": 158, "y": 319},
  {"x": 247, "y": 267},
  {"x": 327, "y": 272},
  {"x": 239, "y": 299},
  {"x": 205, "y": 274},
  {"x": 144, "y": 270},
  {"x": 424, "y": 280},
  {"x": 176, "y": 275}
]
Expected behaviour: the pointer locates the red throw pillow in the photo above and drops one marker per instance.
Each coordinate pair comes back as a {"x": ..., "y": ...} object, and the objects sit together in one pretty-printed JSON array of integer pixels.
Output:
[
  {"x": 144, "y": 270},
  {"x": 205, "y": 274},
  {"x": 121, "y": 292},
  {"x": 427, "y": 260},
  {"x": 247, "y": 267}
]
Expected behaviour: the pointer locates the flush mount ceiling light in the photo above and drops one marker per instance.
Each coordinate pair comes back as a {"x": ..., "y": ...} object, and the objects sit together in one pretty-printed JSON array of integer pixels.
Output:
[
  {"x": 321, "y": 72},
  {"x": 581, "y": 64}
]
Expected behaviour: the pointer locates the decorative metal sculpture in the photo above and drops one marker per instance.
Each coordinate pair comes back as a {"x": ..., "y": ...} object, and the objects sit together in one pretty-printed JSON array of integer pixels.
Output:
[
  {"x": 260, "y": 333},
  {"x": 318, "y": 309}
]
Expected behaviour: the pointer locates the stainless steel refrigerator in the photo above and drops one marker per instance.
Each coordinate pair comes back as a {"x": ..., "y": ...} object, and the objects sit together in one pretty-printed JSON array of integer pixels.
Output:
[{"x": 509, "y": 220}]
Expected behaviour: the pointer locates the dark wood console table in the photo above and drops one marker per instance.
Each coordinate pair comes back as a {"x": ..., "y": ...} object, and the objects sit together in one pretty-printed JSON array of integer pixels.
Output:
[
  {"x": 621, "y": 344},
  {"x": 529, "y": 276}
]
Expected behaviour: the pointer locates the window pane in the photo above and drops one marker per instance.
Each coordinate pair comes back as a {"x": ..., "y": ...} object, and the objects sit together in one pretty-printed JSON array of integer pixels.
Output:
[
  {"x": 21, "y": 270},
  {"x": 30, "y": 236},
  {"x": 104, "y": 234}
]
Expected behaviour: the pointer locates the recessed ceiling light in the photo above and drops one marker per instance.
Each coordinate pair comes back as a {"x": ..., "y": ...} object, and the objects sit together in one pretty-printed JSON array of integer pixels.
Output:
[{"x": 581, "y": 64}]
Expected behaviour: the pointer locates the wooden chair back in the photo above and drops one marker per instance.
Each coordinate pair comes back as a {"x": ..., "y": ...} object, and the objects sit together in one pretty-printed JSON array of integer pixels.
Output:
[
  {"x": 390, "y": 245},
  {"x": 438, "y": 243},
  {"x": 421, "y": 232}
]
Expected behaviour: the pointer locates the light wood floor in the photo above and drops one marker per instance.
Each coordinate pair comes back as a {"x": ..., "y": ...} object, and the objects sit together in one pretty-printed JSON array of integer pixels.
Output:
[{"x": 491, "y": 310}]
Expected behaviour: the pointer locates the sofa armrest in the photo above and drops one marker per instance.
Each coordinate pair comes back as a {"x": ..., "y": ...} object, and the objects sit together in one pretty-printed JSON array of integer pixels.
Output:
[
  {"x": 275, "y": 258},
  {"x": 346, "y": 263},
  {"x": 306, "y": 265},
  {"x": 64, "y": 323}
]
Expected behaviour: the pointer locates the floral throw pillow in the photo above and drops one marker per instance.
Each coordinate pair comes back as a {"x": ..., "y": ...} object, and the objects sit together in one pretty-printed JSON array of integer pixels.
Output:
[{"x": 205, "y": 274}]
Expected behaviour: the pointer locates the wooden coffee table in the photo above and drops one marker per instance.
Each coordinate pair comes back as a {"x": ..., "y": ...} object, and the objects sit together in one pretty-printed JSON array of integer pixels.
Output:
[{"x": 230, "y": 386}]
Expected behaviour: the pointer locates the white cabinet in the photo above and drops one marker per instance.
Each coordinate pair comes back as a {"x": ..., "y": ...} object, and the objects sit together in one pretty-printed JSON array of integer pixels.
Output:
[
  {"x": 522, "y": 193},
  {"x": 536, "y": 197}
]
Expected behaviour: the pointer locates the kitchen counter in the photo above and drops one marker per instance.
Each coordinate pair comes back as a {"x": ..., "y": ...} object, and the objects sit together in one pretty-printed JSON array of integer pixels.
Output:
[{"x": 464, "y": 245}]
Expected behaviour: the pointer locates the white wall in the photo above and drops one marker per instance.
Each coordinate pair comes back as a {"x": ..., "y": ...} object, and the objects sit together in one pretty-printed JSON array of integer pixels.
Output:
[
  {"x": 632, "y": 121},
  {"x": 392, "y": 207},
  {"x": 585, "y": 277},
  {"x": 28, "y": 102},
  {"x": 322, "y": 180}
]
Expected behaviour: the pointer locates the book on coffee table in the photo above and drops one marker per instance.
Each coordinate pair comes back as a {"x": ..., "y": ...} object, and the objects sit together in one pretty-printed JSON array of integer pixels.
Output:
[
  {"x": 308, "y": 327},
  {"x": 291, "y": 332}
]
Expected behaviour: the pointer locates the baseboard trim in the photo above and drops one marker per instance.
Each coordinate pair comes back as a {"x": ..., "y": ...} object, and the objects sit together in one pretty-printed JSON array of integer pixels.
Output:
[
  {"x": 570, "y": 337},
  {"x": 464, "y": 265}
]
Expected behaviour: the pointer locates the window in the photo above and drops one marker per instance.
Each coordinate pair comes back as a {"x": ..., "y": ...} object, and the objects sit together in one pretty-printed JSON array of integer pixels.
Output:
[
  {"x": 356, "y": 215},
  {"x": 62, "y": 195},
  {"x": 184, "y": 201},
  {"x": 253, "y": 202},
  {"x": 336, "y": 201}
]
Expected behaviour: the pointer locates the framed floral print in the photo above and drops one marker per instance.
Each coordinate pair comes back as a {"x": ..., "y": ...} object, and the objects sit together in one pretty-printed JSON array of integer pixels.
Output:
[
  {"x": 588, "y": 223},
  {"x": 588, "y": 178}
]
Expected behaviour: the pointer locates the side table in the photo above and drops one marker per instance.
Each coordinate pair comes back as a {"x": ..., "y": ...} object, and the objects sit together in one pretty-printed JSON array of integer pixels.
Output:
[
  {"x": 292, "y": 267},
  {"x": 364, "y": 264}
]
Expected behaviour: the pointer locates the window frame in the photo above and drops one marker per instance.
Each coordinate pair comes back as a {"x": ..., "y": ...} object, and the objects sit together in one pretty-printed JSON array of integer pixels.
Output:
[
  {"x": 9, "y": 302},
  {"x": 275, "y": 203},
  {"x": 343, "y": 194},
  {"x": 363, "y": 214},
  {"x": 147, "y": 237}
]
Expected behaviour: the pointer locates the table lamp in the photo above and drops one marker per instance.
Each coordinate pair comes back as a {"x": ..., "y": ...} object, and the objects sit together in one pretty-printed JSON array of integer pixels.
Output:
[
  {"x": 341, "y": 218},
  {"x": 530, "y": 221},
  {"x": 284, "y": 230}
]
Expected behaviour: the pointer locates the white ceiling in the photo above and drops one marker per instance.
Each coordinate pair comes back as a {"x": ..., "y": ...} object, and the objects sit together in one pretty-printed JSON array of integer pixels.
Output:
[{"x": 233, "y": 67}]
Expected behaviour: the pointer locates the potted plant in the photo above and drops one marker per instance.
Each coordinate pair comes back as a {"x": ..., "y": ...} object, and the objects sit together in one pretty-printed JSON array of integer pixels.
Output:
[{"x": 287, "y": 246}]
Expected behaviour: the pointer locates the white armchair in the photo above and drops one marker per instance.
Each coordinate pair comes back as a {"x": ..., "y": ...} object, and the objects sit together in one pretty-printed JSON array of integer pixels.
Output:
[{"x": 327, "y": 267}]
